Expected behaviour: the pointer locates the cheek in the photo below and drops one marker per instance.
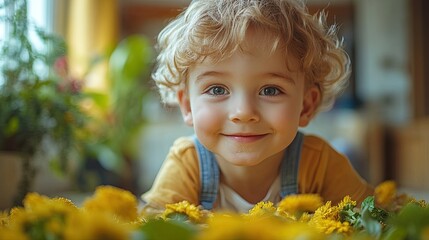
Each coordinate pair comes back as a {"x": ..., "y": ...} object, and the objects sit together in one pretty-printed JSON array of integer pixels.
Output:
[
  {"x": 283, "y": 118},
  {"x": 207, "y": 118}
]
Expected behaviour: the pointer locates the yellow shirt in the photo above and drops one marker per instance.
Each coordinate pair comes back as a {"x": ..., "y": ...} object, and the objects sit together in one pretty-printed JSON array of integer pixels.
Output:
[{"x": 322, "y": 170}]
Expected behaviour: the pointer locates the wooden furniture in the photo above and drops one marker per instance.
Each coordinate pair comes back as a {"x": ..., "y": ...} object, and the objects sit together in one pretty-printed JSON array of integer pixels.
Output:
[{"x": 410, "y": 155}]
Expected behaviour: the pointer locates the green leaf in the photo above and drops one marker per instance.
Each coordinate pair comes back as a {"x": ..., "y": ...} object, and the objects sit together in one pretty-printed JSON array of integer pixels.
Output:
[
  {"x": 12, "y": 126},
  {"x": 106, "y": 156},
  {"x": 131, "y": 58},
  {"x": 100, "y": 99},
  {"x": 181, "y": 217},
  {"x": 349, "y": 214},
  {"x": 368, "y": 203},
  {"x": 395, "y": 234},
  {"x": 109, "y": 159},
  {"x": 372, "y": 226},
  {"x": 166, "y": 230},
  {"x": 410, "y": 221},
  {"x": 370, "y": 217},
  {"x": 376, "y": 213}
]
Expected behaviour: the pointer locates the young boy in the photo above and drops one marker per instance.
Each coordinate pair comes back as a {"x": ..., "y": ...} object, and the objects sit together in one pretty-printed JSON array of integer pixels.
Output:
[{"x": 246, "y": 75}]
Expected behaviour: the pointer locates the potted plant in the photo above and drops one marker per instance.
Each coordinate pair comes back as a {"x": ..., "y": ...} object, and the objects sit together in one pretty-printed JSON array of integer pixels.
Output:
[
  {"x": 113, "y": 134},
  {"x": 39, "y": 103}
]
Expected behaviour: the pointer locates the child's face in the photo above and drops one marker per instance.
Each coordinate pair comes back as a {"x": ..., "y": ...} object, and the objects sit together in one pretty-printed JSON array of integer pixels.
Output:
[{"x": 247, "y": 108}]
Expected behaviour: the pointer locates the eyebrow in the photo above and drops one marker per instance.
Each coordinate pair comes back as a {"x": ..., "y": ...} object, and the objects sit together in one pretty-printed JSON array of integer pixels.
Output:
[
  {"x": 204, "y": 74},
  {"x": 279, "y": 75},
  {"x": 210, "y": 74}
]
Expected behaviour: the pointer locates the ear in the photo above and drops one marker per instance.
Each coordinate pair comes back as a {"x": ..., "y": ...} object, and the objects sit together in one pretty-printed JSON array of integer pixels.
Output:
[
  {"x": 310, "y": 103},
  {"x": 185, "y": 107}
]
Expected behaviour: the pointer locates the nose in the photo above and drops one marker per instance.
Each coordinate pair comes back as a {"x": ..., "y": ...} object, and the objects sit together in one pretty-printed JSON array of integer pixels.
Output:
[{"x": 243, "y": 109}]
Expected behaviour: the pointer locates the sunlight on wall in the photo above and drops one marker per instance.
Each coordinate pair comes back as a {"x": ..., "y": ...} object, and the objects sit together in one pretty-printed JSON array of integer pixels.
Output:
[{"x": 92, "y": 31}]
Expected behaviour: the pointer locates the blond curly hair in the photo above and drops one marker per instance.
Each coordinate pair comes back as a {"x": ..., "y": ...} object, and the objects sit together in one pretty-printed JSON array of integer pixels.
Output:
[{"x": 216, "y": 29}]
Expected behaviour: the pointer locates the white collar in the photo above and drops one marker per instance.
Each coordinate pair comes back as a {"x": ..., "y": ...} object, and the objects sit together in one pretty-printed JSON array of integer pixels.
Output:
[{"x": 229, "y": 200}]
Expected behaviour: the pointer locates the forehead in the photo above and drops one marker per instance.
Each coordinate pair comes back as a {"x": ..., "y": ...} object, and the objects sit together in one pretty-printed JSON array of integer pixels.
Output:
[
  {"x": 259, "y": 43},
  {"x": 262, "y": 40},
  {"x": 258, "y": 54}
]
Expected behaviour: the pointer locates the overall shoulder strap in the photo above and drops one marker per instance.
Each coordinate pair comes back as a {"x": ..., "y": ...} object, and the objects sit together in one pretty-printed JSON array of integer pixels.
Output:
[
  {"x": 289, "y": 167},
  {"x": 209, "y": 175}
]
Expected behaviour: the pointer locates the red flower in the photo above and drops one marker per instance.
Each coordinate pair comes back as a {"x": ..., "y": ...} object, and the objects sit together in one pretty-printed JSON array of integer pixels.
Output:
[{"x": 61, "y": 66}]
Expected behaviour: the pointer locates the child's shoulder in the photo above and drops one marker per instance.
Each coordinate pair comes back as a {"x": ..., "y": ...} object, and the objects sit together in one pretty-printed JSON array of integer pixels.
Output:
[
  {"x": 317, "y": 146},
  {"x": 183, "y": 153},
  {"x": 183, "y": 144},
  {"x": 314, "y": 142}
]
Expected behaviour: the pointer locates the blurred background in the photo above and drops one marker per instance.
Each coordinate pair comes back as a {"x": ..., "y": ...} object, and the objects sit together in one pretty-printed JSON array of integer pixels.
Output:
[{"x": 381, "y": 122}]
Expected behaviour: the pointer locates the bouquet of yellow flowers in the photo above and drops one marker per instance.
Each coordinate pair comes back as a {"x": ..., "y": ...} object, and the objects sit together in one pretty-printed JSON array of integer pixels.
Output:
[{"x": 112, "y": 213}]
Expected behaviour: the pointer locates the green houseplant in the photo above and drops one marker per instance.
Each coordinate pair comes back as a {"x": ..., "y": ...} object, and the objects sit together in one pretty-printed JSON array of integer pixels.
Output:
[
  {"x": 113, "y": 134},
  {"x": 39, "y": 103}
]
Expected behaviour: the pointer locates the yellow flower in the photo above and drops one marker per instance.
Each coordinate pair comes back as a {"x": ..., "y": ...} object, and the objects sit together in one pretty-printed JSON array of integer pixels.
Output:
[
  {"x": 10, "y": 234},
  {"x": 112, "y": 200},
  {"x": 193, "y": 212},
  {"x": 297, "y": 204},
  {"x": 95, "y": 226},
  {"x": 329, "y": 226},
  {"x": 299, "y": 230},
  {"x": 235, "y": 226},
  {"x": 43, "y": 206},
  {"x": 326, "y": 212},
  {"x": 18, "y": 217},
  {"x": 41, "y": 214},
  {"x": 305, "y": 217},
  {"x": 4, "y": 218},
  {"x": 34, "y": 200},
  {"x": 263, "y": 208},
  {"x": 403, "y": 199},
  {"x": 422, "y": 203},
  {"x": 347, "y": 201},
  {"x": 385, "y": 193},
  {"x": 327, "y": 218}
]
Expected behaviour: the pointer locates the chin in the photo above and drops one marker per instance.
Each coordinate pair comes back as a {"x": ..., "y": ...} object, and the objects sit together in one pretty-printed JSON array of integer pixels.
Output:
[{"x": 244, "y": 161}]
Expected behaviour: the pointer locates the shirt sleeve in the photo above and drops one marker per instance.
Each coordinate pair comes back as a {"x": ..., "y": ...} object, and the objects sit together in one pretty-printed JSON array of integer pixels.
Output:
[
  {"x": 178, "y": 178},
  {"x": 326, "y": 172}
]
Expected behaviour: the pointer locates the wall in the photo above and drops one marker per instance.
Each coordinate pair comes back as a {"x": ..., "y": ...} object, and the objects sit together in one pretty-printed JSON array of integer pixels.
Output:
[{"x": 383, "y": 57}]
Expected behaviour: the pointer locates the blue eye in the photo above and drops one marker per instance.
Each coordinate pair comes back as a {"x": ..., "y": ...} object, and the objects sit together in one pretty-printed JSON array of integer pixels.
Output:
[
  {"x": 270, "y": 91},
  {"x": 217, "y": 90}
]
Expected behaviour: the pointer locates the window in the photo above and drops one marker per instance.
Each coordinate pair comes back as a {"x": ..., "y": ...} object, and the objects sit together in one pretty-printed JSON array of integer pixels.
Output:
[{"x": 39, "y": 14}]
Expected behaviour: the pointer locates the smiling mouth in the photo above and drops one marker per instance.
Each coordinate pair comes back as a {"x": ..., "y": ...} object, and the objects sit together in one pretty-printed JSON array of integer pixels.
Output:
[{"x": 245, "y": 138}]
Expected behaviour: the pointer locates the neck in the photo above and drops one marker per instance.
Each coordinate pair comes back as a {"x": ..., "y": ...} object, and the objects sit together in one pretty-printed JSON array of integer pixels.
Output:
[{"x": 252, "y": 183}]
